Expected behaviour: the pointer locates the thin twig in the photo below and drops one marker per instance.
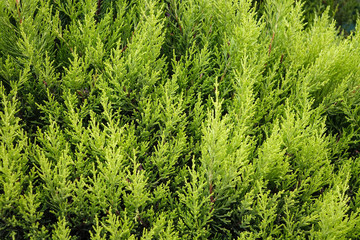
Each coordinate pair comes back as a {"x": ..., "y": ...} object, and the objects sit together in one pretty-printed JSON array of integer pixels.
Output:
[
  {"x": 272, "y": 39},
  {"x": 98, "y": 7},
  {"x": 18, "y": 10}
]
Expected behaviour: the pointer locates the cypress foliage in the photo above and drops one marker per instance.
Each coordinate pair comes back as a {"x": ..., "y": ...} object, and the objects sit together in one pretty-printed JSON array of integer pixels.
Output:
[{"x": 193, "y": 119}]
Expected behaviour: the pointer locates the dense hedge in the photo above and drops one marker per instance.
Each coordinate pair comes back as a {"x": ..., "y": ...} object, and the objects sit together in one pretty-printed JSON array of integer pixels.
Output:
[{"x": 194, "y": 119}]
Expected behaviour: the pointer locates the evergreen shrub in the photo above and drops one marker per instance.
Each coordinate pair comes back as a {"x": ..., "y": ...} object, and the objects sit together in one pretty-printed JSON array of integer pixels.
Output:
[{"x": 194, "y": 119}]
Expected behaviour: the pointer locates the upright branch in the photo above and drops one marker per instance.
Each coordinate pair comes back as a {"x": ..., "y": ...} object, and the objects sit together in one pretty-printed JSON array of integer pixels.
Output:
[{"x": 212, "y": 199}]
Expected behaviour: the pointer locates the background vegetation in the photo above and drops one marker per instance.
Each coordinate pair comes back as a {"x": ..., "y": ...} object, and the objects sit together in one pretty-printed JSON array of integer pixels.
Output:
[
  {"x": 345, "y": 12},
  {"x": 192, "y": 119}
]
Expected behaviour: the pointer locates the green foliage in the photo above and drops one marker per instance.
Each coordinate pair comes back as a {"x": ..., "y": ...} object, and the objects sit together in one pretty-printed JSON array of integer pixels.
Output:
[{"x": 164, "y": 119}]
